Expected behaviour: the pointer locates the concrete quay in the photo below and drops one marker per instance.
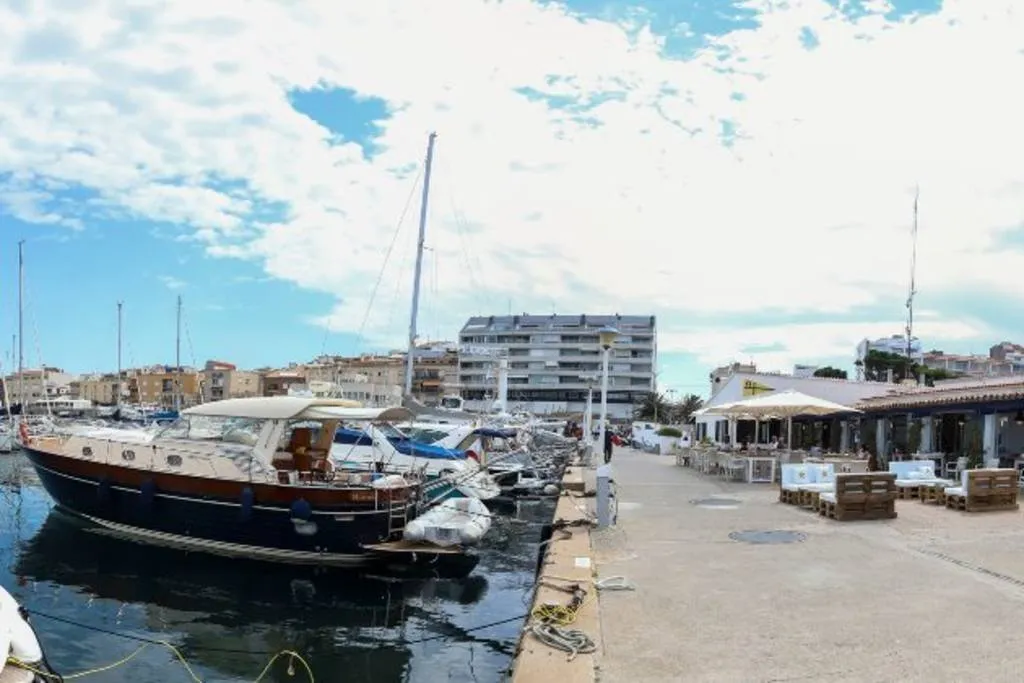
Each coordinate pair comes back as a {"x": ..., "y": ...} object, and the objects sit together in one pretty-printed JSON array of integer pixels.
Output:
[
  {"x": 934, "y": 595},
  {"x": 567, "y": 560}
]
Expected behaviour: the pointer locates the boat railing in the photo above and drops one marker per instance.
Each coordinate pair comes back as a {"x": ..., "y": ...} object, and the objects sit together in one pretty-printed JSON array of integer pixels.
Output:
[{"x": 179, "y": 458}]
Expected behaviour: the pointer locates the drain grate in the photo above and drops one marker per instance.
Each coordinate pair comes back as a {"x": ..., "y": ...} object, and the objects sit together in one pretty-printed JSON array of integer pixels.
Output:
[
  {"x": 725, "y": 503},
  {"x": 768, "y": 537}
]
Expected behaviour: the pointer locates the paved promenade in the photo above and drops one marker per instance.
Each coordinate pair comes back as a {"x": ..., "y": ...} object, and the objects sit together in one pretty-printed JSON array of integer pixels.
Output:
[{"x": 934, "y": 595}]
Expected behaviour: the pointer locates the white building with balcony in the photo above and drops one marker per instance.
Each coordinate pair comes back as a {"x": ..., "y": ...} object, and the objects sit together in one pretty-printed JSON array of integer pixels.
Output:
[{"x": 553, "y": 361}]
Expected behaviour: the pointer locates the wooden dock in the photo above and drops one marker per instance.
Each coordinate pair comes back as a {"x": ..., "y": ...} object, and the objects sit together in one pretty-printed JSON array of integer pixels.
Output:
[{"x": 568, "y": 560}]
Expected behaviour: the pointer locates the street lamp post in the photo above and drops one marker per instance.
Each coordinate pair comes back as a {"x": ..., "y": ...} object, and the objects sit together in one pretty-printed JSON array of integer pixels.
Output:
[{"x": 606, "y": 337}]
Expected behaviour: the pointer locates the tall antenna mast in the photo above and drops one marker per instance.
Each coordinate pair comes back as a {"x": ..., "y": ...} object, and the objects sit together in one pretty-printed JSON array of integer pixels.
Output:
[{"x": 913, "y": 286}]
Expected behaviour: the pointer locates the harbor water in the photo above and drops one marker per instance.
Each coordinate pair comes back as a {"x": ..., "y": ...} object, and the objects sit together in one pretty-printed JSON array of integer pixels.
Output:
[{"x": 92, "y": 595}]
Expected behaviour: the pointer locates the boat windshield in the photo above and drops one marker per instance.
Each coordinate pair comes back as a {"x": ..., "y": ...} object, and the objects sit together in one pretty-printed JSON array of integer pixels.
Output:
[
  {"x": 424, "y": 435},
  {"x": 390, "y": 431},
  {"x": 240, "y": 430}
]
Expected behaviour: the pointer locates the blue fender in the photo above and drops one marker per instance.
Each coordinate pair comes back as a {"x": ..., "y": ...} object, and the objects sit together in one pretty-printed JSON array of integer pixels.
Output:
[
  {"x": 147, "y": 493},
  {"x": 248, "y": 498},
  {"x": 103, "y": 491},
  {"x": 301, "y": 509}
]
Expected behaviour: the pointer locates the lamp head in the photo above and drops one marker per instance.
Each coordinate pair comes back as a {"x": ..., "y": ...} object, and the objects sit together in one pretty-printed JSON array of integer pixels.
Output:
[{"x": 606, "y": 335}]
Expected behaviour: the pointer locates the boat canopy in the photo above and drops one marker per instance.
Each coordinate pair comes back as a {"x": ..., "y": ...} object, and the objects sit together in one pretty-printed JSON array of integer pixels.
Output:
[
  {"x": 415, "y": 449},
  {"x": 286, "y": 408}
]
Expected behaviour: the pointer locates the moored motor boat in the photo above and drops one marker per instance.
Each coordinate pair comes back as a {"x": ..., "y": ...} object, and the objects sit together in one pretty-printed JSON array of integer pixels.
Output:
[
  {"x": 243, "y": 477},
  {"x": 455, "y": 521}
]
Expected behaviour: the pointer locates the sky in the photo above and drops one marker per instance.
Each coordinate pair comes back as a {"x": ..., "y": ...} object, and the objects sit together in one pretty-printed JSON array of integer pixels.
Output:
[{"x": 746, "y": 171}]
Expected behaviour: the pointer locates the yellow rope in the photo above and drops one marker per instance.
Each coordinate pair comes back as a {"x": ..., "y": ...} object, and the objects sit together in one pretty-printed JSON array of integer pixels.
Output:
[
  {"x": 177, "y": 653},
  {"x": 559, "y": 615}
]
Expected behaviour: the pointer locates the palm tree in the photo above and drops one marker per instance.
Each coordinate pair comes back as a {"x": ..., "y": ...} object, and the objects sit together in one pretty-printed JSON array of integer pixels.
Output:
[
  {"x": 653, "y": 407},
  {"x": 684, "y": 409}
]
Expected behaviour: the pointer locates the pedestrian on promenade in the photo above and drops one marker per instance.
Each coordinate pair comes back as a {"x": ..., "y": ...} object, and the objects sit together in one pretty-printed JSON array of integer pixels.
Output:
[{"x": 608, "y": 443}]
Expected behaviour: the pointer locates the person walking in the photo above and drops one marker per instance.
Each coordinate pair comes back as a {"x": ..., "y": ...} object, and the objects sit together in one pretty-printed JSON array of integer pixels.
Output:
[{"x": 608, "y": 444}]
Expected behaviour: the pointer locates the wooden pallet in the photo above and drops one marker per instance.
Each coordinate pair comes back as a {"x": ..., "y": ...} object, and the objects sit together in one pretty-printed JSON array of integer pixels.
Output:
[
  {"x": 987, "y": 490},
  {"x": 862, "y": 497},
  {"x": 789, "y": 497},
  {"x": 908, "y": 492},
  {"x": 932, "y": 495}
]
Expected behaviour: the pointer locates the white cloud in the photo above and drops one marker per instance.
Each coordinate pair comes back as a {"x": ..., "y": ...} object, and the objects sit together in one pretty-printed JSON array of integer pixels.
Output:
[
  {"x": 636, "y": 205},
  {"x": 783, "y": 346},
  {"x": 171, "y": 282}
]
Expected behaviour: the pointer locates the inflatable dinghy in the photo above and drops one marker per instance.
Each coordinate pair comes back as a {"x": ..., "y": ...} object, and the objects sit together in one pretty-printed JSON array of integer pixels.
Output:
[{"x": 456, "y": 521}]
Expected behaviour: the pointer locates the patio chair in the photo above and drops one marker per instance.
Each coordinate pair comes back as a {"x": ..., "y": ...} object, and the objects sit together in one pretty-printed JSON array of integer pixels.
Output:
[
  {"x": 985, "y": 490},
  {"x": 865, "y": 496}
]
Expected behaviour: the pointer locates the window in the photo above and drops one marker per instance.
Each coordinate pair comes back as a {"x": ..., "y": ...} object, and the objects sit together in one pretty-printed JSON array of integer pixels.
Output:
[{"x": 239, "y": 430}]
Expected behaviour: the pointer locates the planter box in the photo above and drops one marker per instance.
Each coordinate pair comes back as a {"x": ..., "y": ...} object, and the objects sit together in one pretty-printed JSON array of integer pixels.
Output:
[{"x": 667, "y": 444}]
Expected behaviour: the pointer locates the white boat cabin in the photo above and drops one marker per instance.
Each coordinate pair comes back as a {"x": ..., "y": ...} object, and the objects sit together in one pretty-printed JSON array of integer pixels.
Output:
[{"x": 283, "y": 439}]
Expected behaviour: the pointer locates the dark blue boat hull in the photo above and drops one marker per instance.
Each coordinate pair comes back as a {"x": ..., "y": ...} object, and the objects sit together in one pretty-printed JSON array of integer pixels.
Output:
[{"x": 297, "y": 533}]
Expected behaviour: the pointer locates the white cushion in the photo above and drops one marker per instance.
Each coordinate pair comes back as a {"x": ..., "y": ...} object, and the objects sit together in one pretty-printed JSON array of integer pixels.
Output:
[
  {"x": 828, "y": 496},
  {"x": 790, "y": 487},
  {"x": 955, "y": 491}
]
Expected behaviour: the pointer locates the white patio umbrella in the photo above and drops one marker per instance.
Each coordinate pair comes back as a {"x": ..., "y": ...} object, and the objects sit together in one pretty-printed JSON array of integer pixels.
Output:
[{"x": 782, "y": 404}]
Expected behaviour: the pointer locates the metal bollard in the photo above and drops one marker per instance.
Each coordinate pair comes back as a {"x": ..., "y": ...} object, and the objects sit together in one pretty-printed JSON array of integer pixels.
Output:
[{"x": 604, "y": 496}]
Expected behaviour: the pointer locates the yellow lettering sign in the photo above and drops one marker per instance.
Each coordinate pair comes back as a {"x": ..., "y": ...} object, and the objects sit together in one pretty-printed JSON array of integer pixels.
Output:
[{"x": 752, "y": 388}]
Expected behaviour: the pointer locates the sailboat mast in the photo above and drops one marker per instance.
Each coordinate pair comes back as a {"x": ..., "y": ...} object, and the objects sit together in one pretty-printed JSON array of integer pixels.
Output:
[
  {"x": 419, "y": 264},
  {"x": 117, "y": 398},
  {"x": 177, "y": 361},
  {"x": 21, "y": 325},
  {"x": 913, "y": 286}
]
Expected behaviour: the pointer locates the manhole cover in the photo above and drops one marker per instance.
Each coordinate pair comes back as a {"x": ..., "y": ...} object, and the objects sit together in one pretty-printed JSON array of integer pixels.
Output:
[
  {"x": 769, "y": 537},
  {"x": 725, "y": 503}
]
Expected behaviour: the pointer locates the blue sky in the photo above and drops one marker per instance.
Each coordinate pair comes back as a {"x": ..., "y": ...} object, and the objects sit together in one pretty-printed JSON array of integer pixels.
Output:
[{"x": 745, "y": 173}]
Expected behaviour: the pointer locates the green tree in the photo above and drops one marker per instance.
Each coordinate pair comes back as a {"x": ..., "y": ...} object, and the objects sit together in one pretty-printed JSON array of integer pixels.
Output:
[
  {"x": 829, "y": 371},
  {"x": 683, "y": 410},
  {"x": 878, "y": 363},
  {"x": 653, "y": 407}
]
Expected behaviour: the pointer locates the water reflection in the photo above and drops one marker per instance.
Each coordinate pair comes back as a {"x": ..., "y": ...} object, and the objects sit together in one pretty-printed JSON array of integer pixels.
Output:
[{"x": 227, "y": 615}]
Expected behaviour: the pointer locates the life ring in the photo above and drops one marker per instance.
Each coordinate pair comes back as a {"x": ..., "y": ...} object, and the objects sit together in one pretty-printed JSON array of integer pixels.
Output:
[
  {"x": 473, "y": 456},
  {"x": 23, "y": 433}
]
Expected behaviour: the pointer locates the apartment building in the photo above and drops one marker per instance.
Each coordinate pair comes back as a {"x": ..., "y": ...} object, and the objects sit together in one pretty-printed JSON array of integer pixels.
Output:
[
  {"x": 554, "y": 360},
  {"x": 224, "y": 380},
  {"x": 38, "y": 385},
  {"x": 279, "y": 382},
  {"x": 435, "y": 370},
  {"x": 354, "y": 388},
  {"x": 975, "y": 365},
  {"x": 161, "y": 384},
  {"x": 99, "y": 388}
]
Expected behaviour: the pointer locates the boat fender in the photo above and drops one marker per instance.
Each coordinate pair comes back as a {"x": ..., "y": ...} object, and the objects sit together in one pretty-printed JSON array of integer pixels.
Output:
[
  {"x": 302, "y": 510},
  {"x": 23, "y": 643},
  {"x": 248, "y": 498},
  {"x": 148, "y": 492}
]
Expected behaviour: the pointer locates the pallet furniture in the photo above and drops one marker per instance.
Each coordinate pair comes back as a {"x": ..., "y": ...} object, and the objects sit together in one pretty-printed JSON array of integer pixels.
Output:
[
  {"x": 984, "y": 490},
  {"x": 860, "y": 497},
  {"x": 910, "y": 477},
  {"x": 789, "y": 481},
  {"x": 801, "y": 483},
  {"x": 933, "y": 492}
]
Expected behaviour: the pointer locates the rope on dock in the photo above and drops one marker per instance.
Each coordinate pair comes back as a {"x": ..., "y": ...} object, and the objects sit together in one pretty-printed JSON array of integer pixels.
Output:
[{"x": 573, "y": 641}]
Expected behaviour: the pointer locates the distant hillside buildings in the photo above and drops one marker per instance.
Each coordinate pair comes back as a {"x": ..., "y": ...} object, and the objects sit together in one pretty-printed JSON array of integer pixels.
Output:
[{"x": 375, "y": 380}]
